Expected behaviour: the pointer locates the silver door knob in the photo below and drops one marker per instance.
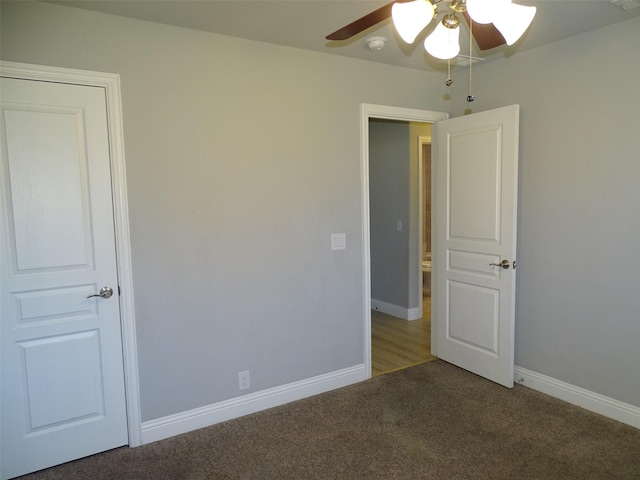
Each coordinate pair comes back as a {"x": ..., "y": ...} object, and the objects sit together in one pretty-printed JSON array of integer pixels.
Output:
[
  {"x": 105, "y": 292},
  {"x": 504, "y": 264}
]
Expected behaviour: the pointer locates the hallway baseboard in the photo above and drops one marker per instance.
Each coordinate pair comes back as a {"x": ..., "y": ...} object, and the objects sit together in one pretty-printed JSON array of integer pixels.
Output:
[{"x": 396, "y": 310}]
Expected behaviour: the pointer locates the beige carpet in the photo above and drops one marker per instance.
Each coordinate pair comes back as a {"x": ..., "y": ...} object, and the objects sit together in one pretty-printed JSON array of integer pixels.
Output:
[{"x": 432, "y": 421}]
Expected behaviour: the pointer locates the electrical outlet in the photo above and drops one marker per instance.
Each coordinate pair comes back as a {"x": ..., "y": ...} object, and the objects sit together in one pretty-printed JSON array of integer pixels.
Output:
[{"x": 244, "y": 380}]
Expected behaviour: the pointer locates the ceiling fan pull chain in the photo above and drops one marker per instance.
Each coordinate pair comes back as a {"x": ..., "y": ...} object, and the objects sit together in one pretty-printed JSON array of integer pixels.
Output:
[
  {"x": 449, "y": 82},
  {"x": 470, "y": 97}
]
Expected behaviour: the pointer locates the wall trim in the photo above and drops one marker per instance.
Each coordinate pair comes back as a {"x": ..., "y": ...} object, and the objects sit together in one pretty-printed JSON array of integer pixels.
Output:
[
  {"x": 184, "y": 422},
  {"x": 594, "y": 402},
  {"x": 111, "y": 84},
  {"x": 396, "y": 310}
]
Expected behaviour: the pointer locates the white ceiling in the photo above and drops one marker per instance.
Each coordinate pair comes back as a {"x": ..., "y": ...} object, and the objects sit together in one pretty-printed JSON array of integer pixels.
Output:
[{"x": 305, "y": 24}]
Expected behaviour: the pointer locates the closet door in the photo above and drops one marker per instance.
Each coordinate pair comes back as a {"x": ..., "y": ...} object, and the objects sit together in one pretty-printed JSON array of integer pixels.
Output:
[{"x": 62, "y": 378}]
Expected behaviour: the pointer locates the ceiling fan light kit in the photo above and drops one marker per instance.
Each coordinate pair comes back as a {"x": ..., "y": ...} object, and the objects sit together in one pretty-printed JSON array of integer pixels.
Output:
[
  {"x": 412, "y": 17},
  {"x": 513, "y": 20},
  {"x": 493, "y": 19},
  {"x": 491, "y": 23},
  {"x": 444, "y": 42}
]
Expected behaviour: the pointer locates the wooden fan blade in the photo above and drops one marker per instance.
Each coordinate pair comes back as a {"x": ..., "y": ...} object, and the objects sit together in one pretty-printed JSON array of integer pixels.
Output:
[
  {"x": 363, "y": 23},
  {"x": 486, "y": 35}
]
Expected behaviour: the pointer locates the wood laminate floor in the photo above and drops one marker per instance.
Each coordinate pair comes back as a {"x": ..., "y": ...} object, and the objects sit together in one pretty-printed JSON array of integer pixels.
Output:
[{"x": 397, "y": 343}]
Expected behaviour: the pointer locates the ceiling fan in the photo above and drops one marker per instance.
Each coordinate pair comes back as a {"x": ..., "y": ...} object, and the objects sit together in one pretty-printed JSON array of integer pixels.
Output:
[{"x": 492, "y": 23}]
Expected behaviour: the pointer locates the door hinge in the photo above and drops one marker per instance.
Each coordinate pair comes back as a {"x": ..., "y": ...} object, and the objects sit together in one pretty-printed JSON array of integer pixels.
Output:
[{"x": 514, "y": 264}]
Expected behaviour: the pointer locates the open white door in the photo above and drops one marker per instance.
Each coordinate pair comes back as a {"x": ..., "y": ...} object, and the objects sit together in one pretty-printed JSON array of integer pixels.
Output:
[
  {"x": 62, "y": 378},
  {"x": 477, "y": 178}
]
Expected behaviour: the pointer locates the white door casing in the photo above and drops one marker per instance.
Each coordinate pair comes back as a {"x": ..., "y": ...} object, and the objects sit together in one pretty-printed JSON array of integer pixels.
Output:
[
  {"x": 368, "y": 111},
  {"x": 63, "y": 384},
  {"x": 476, "y": 200}
]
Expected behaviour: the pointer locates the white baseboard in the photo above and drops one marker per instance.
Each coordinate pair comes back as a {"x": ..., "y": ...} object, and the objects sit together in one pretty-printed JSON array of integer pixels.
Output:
[
  {"x": 396, "y": 310},
  {"x": 594, "y": 402},
  {"x": 184, "y": 422}
]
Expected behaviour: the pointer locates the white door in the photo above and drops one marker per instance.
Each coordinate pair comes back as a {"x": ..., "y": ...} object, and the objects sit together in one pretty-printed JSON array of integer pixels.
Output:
[
  {"x": 477, "y": 177},
  {"x": 62, "y": 381}
]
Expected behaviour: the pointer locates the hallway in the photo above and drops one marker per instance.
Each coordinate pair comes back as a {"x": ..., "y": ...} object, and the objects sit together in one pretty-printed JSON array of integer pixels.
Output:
[{"x": 397, "y": 343}]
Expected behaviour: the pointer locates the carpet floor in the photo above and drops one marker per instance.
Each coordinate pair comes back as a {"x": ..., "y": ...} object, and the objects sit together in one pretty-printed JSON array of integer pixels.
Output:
[{"x": 431, "y": 421}]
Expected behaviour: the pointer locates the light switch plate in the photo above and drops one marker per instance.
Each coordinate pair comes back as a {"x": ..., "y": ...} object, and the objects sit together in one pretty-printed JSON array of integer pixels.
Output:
[{"x": 338, "y": 241}]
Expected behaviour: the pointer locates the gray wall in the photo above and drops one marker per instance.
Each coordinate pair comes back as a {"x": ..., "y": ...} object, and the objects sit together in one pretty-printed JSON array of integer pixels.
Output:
[
  {"x": 578, "y": 300},
  {"x": 242, "y": 159}
]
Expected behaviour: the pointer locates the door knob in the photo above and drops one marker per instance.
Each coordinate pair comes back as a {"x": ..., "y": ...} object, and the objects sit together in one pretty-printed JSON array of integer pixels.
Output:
[
  {"x": 105, "y": 292},
  {"x": 504, "y": 264}
]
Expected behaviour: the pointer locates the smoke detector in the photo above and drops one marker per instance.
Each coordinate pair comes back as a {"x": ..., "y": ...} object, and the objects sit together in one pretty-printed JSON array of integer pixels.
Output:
[{"x": 376, "y": 43}]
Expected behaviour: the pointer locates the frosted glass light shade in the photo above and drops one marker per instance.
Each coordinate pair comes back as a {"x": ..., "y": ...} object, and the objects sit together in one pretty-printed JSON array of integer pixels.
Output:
[
  {"x": 513, "y": 20},
  {"x": 411, "y": 18},
  {"x": 484, "y": 11},
  {"x": 443, "y": 43}
]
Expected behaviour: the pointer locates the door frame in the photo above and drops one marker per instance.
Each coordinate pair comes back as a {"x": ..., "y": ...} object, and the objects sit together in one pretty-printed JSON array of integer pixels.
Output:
[
  {"x": 111, "y": 84},
  {"x": 368, "y": 111},
  {"x": 423, "y": 141}
]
